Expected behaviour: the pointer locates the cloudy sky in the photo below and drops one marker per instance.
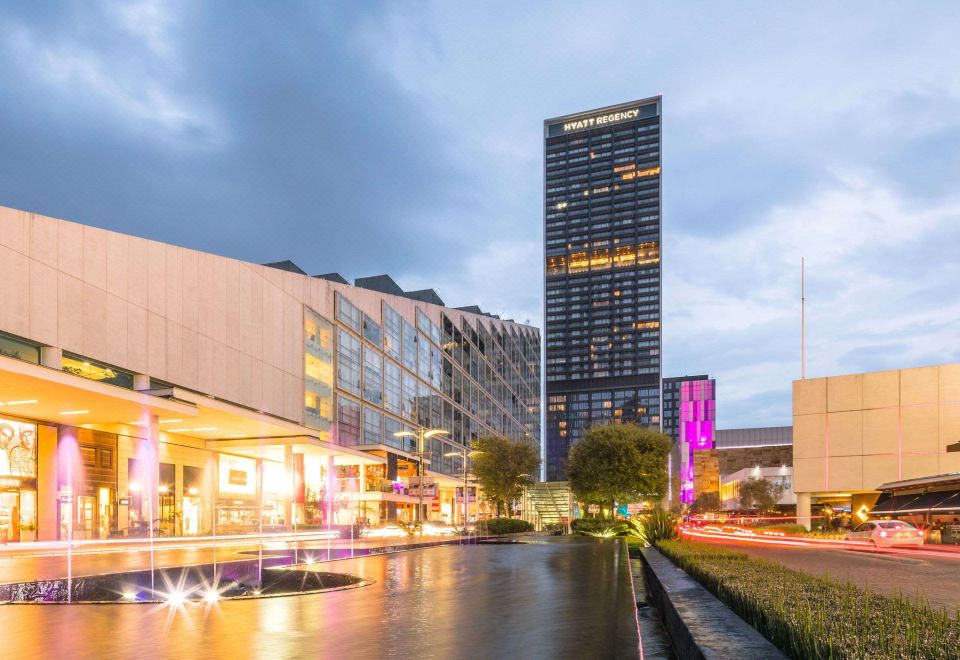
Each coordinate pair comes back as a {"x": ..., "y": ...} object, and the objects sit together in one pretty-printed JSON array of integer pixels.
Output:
[{"x": 407, "y": 138}]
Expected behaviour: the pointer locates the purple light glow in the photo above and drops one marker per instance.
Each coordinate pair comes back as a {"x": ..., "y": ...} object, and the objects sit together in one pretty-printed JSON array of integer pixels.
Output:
[{"x": 697, "y": 415}]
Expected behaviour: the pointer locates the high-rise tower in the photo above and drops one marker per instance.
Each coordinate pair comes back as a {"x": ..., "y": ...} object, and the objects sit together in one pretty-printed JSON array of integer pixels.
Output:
[{"x": 602, "y": 251}]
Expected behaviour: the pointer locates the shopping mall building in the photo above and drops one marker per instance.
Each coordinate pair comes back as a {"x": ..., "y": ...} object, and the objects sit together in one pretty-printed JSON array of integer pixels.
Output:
[
  {"x": 141, "y": 381},
  {"x": 860, "y": 435}
]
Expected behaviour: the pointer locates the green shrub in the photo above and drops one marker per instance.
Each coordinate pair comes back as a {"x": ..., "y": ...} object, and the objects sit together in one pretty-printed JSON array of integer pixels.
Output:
[
  {"x": 504, "y": 526},
  {"x": 659, "y": 525},
  {"x": 813, "y": 617},
  {"x": 587, "y": 526}
]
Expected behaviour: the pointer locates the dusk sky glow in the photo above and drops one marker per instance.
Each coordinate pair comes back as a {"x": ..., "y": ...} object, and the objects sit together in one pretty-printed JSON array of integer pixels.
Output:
[{"x": 406, "y": 138}]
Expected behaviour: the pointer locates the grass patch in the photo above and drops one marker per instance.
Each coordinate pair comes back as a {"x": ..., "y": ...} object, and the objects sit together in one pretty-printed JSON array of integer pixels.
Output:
[{"x": 813, "y": 617}]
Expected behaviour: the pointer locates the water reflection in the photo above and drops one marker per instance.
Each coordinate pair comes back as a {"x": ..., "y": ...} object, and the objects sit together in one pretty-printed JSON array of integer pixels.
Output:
[{"x": 557, "y": 599}]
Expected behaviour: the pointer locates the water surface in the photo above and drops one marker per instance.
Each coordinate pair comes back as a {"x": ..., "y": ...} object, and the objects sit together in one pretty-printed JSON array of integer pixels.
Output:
[{"x": 557, "y": 598}]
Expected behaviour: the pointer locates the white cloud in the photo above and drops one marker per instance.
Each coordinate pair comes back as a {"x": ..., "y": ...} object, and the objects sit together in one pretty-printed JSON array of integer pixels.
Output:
[
  {"x": 503, "y": 278},
  {"x": 876, "y": 266},
  {"x": 140, "y": 90},
  {"x": 822, "y": 99}
]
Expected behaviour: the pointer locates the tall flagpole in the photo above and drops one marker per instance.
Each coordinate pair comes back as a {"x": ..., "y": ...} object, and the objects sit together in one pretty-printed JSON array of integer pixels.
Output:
[{"x": 803, "y": 324}]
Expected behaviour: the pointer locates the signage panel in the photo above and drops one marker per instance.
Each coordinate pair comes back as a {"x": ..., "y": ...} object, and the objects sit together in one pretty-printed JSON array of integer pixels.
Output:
[{"x": 601, "y": 119}]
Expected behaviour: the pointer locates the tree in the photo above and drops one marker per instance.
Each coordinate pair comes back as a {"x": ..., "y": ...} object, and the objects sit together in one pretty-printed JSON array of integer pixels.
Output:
[
  {"x": 706, "y": 502},
  {"x": 760, "y": 494},
  {"x": 503, "y": 468},
  {"x": 619, "y": 463}
]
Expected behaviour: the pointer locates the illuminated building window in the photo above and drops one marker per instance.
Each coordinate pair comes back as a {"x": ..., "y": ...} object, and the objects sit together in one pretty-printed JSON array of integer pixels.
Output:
[
  {"x": 556, "y": 265},
  {"x": 627, "y": 176},
  {"x": 19, "y": 349},
  {"x": 87, "y": 368},
  {"x": 578, "y": 262},
  {"x": 318, "y": 371},
  {"x": 600, "y": 259}
]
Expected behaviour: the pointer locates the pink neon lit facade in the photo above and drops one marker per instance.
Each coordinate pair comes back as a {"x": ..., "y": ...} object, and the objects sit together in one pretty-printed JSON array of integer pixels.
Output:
[{"x": 698, "y": 414}]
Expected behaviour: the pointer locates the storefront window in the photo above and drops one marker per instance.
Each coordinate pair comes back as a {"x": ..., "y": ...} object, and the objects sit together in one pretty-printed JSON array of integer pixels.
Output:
[
  {"x": 236, "y": 510},
  {"x": 18, "y": 480},
  {"x": 168, "y": 498},
  {"x": 192, "y": 512}
]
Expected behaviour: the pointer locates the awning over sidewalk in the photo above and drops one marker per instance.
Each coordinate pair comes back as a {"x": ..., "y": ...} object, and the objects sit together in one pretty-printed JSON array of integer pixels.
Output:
[{"x": 936, "y": 502}]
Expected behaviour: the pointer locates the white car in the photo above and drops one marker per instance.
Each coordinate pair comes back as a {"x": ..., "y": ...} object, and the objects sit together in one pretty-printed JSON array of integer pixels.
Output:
[{"x": 886, "y": 533}]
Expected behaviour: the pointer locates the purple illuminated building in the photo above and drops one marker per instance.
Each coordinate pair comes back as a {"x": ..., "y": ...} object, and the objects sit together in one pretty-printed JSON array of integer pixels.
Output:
[{"x": 698, "y": 414}]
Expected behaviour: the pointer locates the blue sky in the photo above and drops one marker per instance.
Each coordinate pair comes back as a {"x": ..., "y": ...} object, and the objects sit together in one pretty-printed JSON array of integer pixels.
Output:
[{"x": 407, "y": 138}]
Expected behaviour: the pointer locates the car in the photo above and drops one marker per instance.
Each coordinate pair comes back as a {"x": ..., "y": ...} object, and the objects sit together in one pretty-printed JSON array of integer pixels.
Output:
[{"x": 886, "y": 533}]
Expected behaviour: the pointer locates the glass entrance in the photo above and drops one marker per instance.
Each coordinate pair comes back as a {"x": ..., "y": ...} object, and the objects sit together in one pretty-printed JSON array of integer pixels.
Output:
[
  {"x": 10, "y": 516},
  {"x": 105, "y": 512},
  {"x": 86, "y": 517},
  {"x": 191, "y": 515}
]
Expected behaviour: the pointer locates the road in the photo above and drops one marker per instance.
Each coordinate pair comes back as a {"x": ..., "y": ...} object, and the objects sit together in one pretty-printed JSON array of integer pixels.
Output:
[
  {"x": 924, "y": 573},
  {"x": 551, "y": 598}
]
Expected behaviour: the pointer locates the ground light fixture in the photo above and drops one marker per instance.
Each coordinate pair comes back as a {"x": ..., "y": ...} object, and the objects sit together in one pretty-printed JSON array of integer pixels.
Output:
[{"x": 420, "y": 435}]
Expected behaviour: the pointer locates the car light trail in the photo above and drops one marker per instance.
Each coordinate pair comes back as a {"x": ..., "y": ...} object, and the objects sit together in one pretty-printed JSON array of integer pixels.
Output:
[{"x": 743, "y": 535}]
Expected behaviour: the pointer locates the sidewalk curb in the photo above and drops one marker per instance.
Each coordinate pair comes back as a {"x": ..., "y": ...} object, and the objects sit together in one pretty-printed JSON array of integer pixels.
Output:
[{"x": 700, "y": 626}]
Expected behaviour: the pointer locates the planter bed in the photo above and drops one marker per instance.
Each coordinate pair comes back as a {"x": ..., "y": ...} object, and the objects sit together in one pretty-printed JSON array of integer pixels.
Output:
[{"x": 813, "y": 617}]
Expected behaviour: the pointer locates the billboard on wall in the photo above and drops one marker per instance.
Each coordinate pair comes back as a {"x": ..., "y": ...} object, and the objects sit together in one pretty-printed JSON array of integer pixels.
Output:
[
  {"x": 429, "y": 487},
  {"x": 18, "y": 449}
]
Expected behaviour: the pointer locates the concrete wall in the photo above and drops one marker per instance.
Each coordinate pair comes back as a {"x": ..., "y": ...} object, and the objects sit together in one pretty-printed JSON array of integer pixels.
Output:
[
  {"x": 734, "y": 459},
  {"x": 706, "y": 472},
  {"x": 855, "y": 432}
]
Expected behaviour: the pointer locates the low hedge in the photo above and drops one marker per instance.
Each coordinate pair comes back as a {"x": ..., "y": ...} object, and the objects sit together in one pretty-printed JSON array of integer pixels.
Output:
[
  {"x": 504, "y": 526},
  {"x": 590, "y": 525},
  {"x": 813, "y": 617}
]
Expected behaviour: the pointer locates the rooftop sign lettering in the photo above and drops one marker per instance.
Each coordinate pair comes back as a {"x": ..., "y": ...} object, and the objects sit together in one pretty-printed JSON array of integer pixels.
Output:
[{"x": 600, "y": 120}]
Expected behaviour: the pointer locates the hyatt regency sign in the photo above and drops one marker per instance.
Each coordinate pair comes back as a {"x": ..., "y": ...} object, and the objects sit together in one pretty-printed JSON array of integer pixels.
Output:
[{"x": 603, "y": 119}]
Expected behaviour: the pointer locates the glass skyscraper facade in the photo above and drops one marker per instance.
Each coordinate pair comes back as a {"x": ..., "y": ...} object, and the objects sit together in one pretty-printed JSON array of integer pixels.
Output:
[{"x": 602, "y": 272}]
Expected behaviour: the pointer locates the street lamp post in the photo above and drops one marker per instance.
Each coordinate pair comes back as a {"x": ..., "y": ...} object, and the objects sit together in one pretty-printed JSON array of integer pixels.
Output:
[{"x": 421, "y": 435}]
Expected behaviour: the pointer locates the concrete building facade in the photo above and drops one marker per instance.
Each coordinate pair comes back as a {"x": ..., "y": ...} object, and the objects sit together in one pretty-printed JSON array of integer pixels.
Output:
[
  {"x": 853, "y": 433},
  {"x": 142, "y": 381}
]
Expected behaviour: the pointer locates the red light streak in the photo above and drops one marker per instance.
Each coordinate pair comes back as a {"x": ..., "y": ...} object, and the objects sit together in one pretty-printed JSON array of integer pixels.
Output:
[{"x": 743, "y": 535}]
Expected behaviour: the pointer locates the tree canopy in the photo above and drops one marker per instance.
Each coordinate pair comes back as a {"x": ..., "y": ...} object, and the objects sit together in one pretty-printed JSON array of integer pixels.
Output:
[
  {"x": 706, "y": 502},
  {"x": 760, "y": 494},
  {"x": 619, "y": 463},
  {"x": 503, "y": 468}
]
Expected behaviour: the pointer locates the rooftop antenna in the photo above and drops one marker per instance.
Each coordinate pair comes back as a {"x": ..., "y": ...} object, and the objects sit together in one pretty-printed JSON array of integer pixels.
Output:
[{"x": 803, "y": 324}]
